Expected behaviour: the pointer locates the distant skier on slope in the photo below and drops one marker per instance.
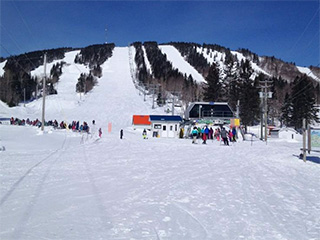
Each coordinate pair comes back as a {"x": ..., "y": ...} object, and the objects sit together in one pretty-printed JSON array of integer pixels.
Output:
[
  {"x": 100, "y": 132},
  {"x": 121, "y": 134}
]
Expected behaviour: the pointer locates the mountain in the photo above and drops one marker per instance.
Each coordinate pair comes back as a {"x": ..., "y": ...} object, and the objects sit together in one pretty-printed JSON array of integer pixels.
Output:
[{"x": 174, "y": 70}]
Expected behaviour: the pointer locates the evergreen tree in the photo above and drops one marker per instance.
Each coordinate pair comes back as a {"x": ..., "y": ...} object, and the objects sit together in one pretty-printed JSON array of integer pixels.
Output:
[
  {"x": 213, "y": 86},
  {"x": 249, "y": 95},
  {"x": 286, "y": 111},
  {"x": 303, "y": 102},
  {"x": 249, "y": 103}
]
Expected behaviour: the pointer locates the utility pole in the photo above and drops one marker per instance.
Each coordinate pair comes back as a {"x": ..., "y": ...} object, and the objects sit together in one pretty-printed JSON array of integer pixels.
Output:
[
  {"x": 200, "y": 107},
  {"x": 265, "y": 113},
  {"x": 44, "y": 91},
  {"x": 106, "y": 33},
  {"x": 238, "y": 111},
  {"x": 153, "y": 88},
  {"x": 264, "y": 95},
  {"x": 24, "y": 97},
  {"x": 173, "y": 100}
]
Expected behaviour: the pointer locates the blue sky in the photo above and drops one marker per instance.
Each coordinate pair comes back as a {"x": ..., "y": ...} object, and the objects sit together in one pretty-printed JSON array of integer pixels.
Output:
[{"x": 288, "y": 30}]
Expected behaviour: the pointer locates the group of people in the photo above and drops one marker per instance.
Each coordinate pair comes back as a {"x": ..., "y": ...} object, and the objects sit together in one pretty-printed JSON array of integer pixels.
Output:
[
  {"x": 74, "y": 126},
  {"x": 208, "y": 133}
]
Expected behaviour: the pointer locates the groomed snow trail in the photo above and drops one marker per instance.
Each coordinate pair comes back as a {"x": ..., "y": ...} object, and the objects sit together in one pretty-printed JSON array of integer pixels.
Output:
[{"x": 113, "y": 100}]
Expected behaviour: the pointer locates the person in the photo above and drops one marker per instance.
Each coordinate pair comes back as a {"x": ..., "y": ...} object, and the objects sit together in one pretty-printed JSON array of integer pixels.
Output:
[
  {"x": 121, "y": 134},
  {"x": 194, "y": 134},
  {"x": 230, "y": 136},
  {"x": 234, "y": 134},
  {"x": 144, "y": 134},
  {"x": 211, "y": 133},
  {"x": 93, "y": 128},
  {"x": 100, "y": 132},
  {"x": 206, "y": 131},
  {"x": 204, "y": 136},
  {"x": 224, "y": 137},
  {"x": 181, "y": 133}
]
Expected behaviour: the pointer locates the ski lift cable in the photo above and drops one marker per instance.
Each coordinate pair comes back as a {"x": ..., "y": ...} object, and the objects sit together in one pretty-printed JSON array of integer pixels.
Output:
[
  {"x": 26, "y": 24},
  {"x": 307, "y": 74},
  {"x": 14, "y": 59},
  {"x": 14, "y": 41},
  {"x": 301, "y": 90},
  {"x": 304, "y": 31}
]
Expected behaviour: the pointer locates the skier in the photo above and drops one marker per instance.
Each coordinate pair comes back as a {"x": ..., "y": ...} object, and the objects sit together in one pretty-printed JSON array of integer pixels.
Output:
[
  {"x": 121, "y": 134},
  {"x": 93, "y": 128},
  {"x": 144, "y": 134},
  {"x": 100, "y": 132}
]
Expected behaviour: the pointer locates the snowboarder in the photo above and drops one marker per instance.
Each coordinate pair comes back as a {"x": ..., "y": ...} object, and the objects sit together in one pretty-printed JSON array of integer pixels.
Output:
[{"x": 121, "y": 134}]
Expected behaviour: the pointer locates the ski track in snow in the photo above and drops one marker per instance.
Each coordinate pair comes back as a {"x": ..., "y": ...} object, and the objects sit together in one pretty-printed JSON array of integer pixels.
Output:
[{"x": 159, "y": 189}]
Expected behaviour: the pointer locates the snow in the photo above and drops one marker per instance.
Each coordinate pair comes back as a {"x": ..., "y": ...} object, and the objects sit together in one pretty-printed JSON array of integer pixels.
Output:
[
  {"x": 2, "y": 64},
  {"x": 254, "y": 66},
  {"x": 214, "y": 57},
  {"x": 146, "y": 60},
  {"x": 59, "y": 184},
  {"x": 308, "y": 72},
  {"x": 53, "y": 187},
  {"x": 174, "y": 56}
]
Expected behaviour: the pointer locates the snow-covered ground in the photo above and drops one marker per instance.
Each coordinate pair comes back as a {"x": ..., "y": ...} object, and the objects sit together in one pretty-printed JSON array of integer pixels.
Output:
[
  {"x": 65, "y": 185},
  {"x": 54, "y": 187}
]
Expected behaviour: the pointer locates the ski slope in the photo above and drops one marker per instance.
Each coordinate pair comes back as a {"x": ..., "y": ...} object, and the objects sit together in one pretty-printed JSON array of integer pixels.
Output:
[
  {"x": 174, "y": 56},
  {"x": 308, "y": 72},
  {"x": 2, "y": 64},
  {"x": 104, "y": 104}
]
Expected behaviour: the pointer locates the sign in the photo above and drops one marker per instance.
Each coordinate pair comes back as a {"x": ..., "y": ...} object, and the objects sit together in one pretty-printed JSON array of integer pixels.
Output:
[
  {"x": 315, "y": 139},
  {"x": 235, "y": 122},
  {"x": 109, "y": 127}
]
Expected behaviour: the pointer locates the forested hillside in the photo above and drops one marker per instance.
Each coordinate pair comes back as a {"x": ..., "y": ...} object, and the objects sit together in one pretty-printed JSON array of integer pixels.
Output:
[{"x": 229, "y": 76}]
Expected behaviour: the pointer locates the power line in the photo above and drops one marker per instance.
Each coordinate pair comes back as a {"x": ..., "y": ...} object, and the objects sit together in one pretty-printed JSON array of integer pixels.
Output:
[
  {"x": 15, "y": 60},
  {"x": 17, "y": 45},
  {"x": 302, "y": 89},
  {"x": 305, "y": 29}
]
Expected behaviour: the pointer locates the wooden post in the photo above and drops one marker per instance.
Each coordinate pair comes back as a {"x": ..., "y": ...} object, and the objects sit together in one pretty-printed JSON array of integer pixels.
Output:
[
  {"x": 44, "y": 92},
  {"x": 304, "y": 149},
  {"x": 309, "y": 138}
]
